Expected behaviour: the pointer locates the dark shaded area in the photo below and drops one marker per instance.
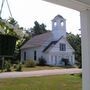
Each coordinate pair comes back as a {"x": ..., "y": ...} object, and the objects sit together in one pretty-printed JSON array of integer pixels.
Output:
[{"x": 7, "y": 45}]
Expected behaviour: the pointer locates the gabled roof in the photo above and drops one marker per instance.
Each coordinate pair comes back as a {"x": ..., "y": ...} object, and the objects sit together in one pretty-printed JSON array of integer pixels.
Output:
[
  {"x": 37, "y": 41},
  {"x": 49, "y": 45},
  {"x": 52, "y": 43},
  {"x": 57, "y": 17}
]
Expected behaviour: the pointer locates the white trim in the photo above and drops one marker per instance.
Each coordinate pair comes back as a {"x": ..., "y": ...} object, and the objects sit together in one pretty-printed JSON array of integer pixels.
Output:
[{"x": 77, "y": 5}]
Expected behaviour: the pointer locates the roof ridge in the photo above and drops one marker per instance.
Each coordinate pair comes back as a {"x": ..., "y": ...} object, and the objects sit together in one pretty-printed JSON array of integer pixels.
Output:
[{"x": 40, "y": 34}]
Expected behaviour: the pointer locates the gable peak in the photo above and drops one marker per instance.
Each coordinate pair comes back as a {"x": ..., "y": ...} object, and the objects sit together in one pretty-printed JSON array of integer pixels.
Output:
[{"x": 58, "y": 17}]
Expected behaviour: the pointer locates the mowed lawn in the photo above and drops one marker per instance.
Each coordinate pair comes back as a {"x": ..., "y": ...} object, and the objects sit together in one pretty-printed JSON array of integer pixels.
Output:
[
  {"x": 37, "y": 68},
  {"x": 57, "y": 82},
  {"x": 40, "y": 68}
]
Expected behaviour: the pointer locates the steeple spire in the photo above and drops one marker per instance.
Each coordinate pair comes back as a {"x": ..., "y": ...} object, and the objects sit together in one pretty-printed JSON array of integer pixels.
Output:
[{"x": 58, "y": 27}]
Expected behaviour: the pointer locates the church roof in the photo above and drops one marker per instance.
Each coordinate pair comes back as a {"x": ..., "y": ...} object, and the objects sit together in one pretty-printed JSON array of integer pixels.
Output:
[
  {"x": 52, "y": 43},
  {"x": 37, "y": 41},
  {"x": 58, "y": 16}
]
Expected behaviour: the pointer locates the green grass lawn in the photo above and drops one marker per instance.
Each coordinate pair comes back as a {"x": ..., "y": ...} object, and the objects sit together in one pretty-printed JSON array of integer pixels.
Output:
[
  {"x": 57, "y": 82},
  {"x": 24, "y": 68},
  {"x": 36, "y": 68},
  {"x": 40, "y": 68}
]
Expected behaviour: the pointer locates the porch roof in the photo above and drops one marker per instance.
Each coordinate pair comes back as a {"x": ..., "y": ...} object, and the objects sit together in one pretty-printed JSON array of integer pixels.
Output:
[{"x": 78, "y": 5}]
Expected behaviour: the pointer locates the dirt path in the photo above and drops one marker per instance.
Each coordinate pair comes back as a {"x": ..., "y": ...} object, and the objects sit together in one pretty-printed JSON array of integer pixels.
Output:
[{"x": 39, "y": 73}]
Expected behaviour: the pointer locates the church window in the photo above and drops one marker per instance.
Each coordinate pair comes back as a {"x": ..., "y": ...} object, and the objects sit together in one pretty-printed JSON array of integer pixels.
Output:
[
  {"x": 55, "y": 60},
  {"x": 62, "y": 23},
  {"x": 62, "y": 47},
  {"x": 24, "y": 55},
  {"x": 35, "y": 55},
  {"x": 52, "y": 59},
  {"x": 55, "y": 24}
]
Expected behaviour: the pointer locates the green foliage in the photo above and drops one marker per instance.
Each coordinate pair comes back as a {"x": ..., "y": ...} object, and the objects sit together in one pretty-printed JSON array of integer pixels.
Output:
[
  {"x": 14, "y": 66},
  {"x": 6, "y": 29},
  {"x": 0, "y": 63},
  {"x": 7, "y": 45},
  {"x": 75, "y": 42},
  {"x": 38, "y": 29},
  {"x": 12, "y": 21},
  {"x": 18, "y": 67},
  {"x": 42, "y": 61},
  {"x": 7, "y": 66},
  {"x": 30, "y": 63}
]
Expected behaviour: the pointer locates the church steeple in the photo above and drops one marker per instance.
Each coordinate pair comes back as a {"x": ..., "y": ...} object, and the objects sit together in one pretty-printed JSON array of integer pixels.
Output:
[{"x": 58, "y": 27}]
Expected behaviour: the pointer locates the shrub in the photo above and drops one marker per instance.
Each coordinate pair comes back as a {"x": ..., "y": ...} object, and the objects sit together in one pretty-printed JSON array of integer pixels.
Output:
[
  {"x": 30, "y": 63},
  {"x": 14, "y": 66},
  {"x": 42, "y": 61},
  {"x": 0, "y": 63},
  {"x": 7, "y": 66},
  {"x": 18, "y": 67}
]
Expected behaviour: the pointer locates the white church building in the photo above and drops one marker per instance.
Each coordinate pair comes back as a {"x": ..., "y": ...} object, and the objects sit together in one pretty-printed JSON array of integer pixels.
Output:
[{"x": 52, "y": 46}]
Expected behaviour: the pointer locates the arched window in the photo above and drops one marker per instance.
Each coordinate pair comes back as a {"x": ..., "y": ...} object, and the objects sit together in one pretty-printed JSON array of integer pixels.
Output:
[
  {"x": 55, "y": 24},
  {"x": 62, "y": 23},
  {"x": 35, "y": 55},
  {"x": 24, "y": 55}
]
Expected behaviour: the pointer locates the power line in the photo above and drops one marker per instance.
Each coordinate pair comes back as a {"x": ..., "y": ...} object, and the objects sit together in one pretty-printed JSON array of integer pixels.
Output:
[
  {"x": 8, "y": 7},
  {"x": 2, "y": 7}
]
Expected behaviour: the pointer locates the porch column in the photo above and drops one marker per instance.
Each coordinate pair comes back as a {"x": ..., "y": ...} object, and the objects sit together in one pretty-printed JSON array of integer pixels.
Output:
[{"x": 85, "y": 30}]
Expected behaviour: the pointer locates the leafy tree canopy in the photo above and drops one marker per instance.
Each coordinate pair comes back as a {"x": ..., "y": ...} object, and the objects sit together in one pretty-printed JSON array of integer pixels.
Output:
[
  {"x": 12, "y": 21},
  {"x": 38, "y": 28},
  {"x": 75, "y": 42}
]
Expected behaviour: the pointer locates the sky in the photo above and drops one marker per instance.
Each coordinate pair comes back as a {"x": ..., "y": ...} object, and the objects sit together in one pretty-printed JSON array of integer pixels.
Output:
[{"x": 26, "y": 12}]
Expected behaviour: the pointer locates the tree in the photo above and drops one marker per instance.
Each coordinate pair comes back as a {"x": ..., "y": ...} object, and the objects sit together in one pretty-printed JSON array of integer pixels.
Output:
[
  {"x": 19, "y": 42},
  {"x": 75, "y": 42},
  {"x": 38, "y": 29},
  {"x": 12, "y": 21},
  {"x": 26, "y": 37}
]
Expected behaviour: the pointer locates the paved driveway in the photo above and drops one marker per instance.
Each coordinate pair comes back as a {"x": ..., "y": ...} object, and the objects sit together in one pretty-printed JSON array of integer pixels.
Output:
[{"x": 39, "y": 73}]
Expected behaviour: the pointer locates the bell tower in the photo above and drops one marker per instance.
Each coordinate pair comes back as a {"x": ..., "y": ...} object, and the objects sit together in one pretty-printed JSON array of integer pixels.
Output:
[{"x": 58, "y": 27}]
